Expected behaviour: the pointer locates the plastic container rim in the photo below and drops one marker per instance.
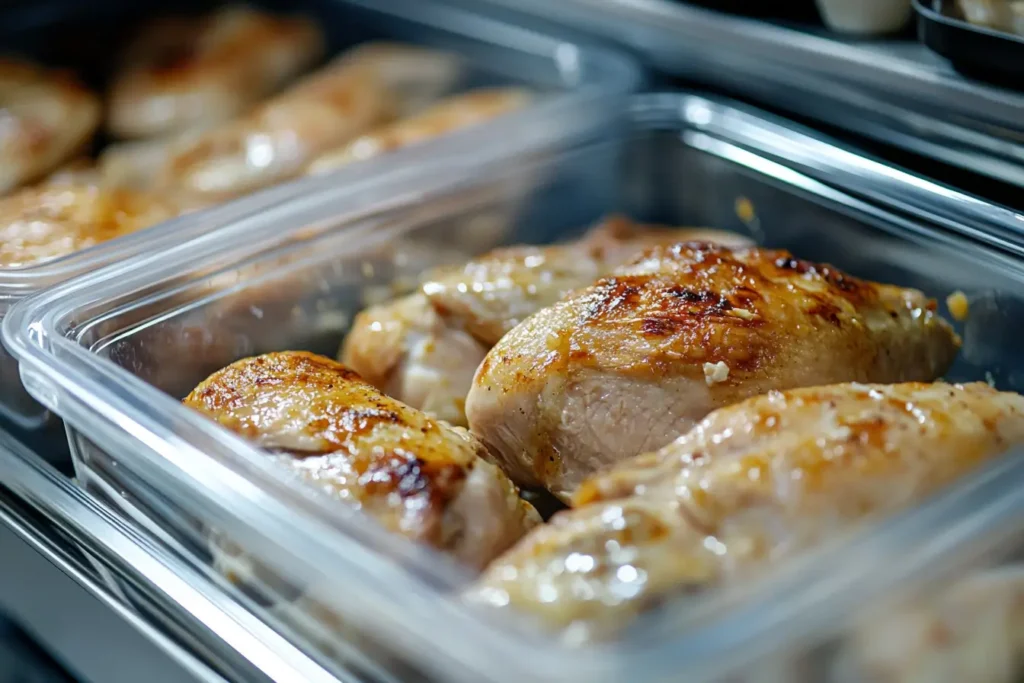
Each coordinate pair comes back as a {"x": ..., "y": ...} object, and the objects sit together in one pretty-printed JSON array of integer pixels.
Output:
[{"x": 106, "y": 402}]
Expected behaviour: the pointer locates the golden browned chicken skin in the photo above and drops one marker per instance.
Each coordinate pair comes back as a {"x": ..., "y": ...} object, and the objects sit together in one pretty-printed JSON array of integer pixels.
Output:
[
  {"x": 69, "y": 213},
  {"x": 418, "y": 477},
  {"x": 47, "y": 117},
  {"x": 635, "y": 360},
  {"x": 182, "y": 72},
  {"x": 450, "y": 114},
  {"x": 424, "y": 348},
  {"x": 752, "y": 484}
]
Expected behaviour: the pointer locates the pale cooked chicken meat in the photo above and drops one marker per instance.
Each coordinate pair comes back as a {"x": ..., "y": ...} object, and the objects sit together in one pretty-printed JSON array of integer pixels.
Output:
[
  {"x": 418, "y": 477},
  {"x": 354, "y": 93},
  {"x": 424, "y": 348},
  {"x": 635, "y": 360},
  {"x": 451, "y": 114},
  {"x": 972, "y": 630},
  {"x": 183, "y": 72},
  {"x": 69, "y": 213},
  {"x": 416, "y": 75},
  {"x": 46, "y": 117},
  {"x": 752, "y": 484}
]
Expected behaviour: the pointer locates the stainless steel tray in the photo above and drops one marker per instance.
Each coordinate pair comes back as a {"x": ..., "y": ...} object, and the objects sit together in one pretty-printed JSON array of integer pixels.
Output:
[
  {"x": 894, "y": 91},
  {"x": 112, "y": 605}
]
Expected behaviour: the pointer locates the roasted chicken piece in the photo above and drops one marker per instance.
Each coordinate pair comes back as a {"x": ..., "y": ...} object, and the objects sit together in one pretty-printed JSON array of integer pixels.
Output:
[
  {"x": 635, "y": 360},
  {"x": 418, "y": 477},
  {"x": 46, "y": 117},
  {"x": 424, "y": 348},
  {"x": 354, "y": 93},
  {"x": 416, "y": 75},
  {"x": 752, "y": 484},
  {"x": 69, "y": 213},
  {"x": 182, "y": 72},
  {"x": 972, "y": 630},
  {"x": 449, "y": 115}
]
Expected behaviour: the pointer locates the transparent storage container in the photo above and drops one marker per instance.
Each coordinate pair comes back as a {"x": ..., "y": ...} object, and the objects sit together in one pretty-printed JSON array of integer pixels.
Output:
[
  {"x": 113, "y": 352},
  {"x": 893, "y": 90},
  {"x": 575, "y": 81}
]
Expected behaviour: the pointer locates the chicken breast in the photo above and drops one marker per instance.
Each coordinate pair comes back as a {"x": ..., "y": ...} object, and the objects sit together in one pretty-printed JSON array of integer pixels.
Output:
[
  {"x": 68, "y": 214},
  {"x": 423, "y": 349},
  {"x": 972, "y": 630},
  {"x": 751, "y": 485},
  {"x": 417, "y": 76},
  {"x": 46, "y": 117},
  {"x": 183, "y": 72},
  {"x": 447, "y": 116},
  {"x": 635, "y": 360},
  {"x": 417, "y": 477},
  {"x": 356, "y": 92}
]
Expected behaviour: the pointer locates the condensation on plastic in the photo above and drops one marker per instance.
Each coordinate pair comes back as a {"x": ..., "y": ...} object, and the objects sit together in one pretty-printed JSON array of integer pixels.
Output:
[
  {"x": 580, "y": 83},
  {"x": 113, "y": 351}
]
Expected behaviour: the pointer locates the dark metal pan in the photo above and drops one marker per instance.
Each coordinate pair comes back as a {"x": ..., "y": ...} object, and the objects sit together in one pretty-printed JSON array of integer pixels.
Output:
[{"x": 975, "y": 51}]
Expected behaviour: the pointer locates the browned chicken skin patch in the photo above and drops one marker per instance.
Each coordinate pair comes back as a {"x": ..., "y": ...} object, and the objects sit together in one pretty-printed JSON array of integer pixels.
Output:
[
  {"x": 416, "y": 476},
  {"x": 424, "y": 348},
  {"x": 637, "y": 358}
]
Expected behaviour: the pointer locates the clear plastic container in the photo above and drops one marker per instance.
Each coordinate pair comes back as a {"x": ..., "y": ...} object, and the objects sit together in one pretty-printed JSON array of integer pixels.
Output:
[
  {"x": 892, "y": 90},
  {"x": 114, "y": 351},
  {"x": 575, "y": 81}
]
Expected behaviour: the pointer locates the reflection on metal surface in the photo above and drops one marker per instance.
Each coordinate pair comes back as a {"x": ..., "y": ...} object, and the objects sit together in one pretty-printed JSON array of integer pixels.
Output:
[
  {"x": 80, "y": 608},
  {"x": 895, "y": 91}
]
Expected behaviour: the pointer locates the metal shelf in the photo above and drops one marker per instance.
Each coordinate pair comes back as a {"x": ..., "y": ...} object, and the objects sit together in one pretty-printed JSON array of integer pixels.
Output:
[
  {"x": 70, "y": 565},
  {"x": 893, "y": 91}
]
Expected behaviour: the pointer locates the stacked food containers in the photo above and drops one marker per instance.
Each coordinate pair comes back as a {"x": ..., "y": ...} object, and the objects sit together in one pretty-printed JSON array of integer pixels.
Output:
[{"x": 248, "y": 573}]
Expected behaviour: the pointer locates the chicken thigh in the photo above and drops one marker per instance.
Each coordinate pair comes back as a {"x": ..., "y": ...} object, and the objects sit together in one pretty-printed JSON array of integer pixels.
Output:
[
  {"x": 635, "y": 360},
  {"x": 424, "y": 348},
  {"x": 418, "y": 477},
  {"x": 752, "y": 484}
]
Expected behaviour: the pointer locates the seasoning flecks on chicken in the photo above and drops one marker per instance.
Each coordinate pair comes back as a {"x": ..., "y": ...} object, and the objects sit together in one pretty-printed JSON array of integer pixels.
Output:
[
  {"x": 752, "y": 484},
  {"x": 65, "y": 215},
  {"x": 424, "y": 348},
  {"x": 418, "y": 477},
  {"x": 635, "y": 360},
  {"x": 182, "y": 72},
  {"x": 46, "y": 117},
  {"x": 447, "y": 116}
]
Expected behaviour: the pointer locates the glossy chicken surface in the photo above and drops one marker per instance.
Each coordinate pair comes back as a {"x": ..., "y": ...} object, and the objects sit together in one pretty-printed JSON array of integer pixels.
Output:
[
  {"x": 424, "y": 348},
  {"x": 635, "y": 360},
  {"x": 46, "y": 117},
  {"x": 68, "y": 214},
  {"x": 752, "y": 484},
  {"x": 182, "y": 72},
  {"x": 354, "y": 93},
  {"x": 447, "y": 116},
  {"x": 418, "y": 477}
]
